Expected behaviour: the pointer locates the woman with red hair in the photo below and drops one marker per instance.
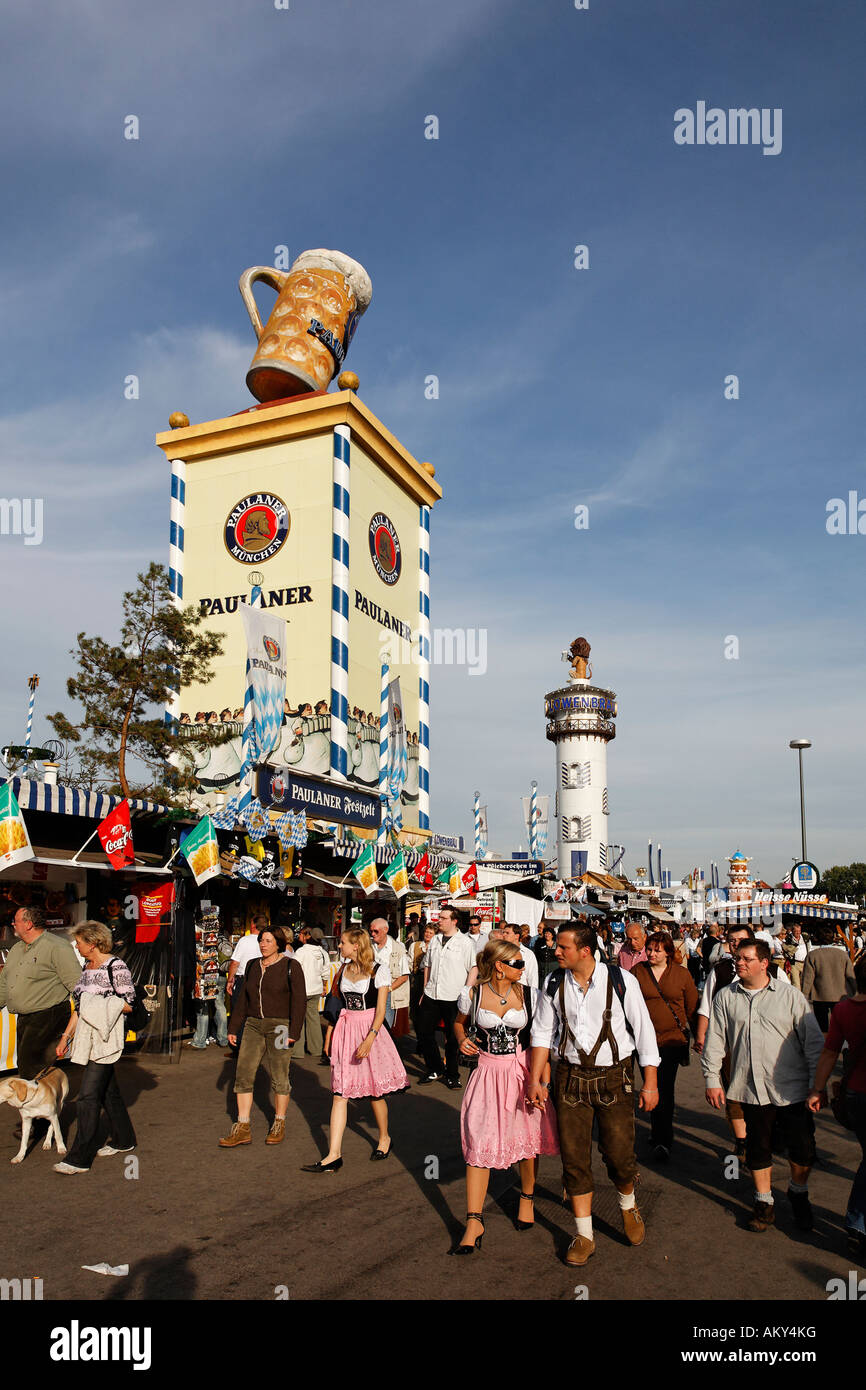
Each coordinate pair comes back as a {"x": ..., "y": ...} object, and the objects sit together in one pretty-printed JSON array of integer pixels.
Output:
[{"x": 672, "y": 999}]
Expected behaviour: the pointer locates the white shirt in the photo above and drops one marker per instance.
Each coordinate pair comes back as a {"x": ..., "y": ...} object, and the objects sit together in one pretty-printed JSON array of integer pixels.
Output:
[
  {"x": 774, "y": 942},
  {"x": 480, "y": 941},
  {"x": 393, "y": 954},
  {"x": 248, "y": 949},
  {"x": 529, "y": 974},
  {"x": 449, "y": 960},
  {"x": 316, "y": 966},
  {"x": 584, "y": 1016}
]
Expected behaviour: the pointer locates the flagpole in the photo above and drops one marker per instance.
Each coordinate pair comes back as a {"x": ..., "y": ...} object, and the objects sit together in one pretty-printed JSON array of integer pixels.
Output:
[
  {"x": 31, "y": 685},
  {"x": 533, "y": 826},
  {"x": 74, "y": 859},
  {"x": 477, "y": 814}
]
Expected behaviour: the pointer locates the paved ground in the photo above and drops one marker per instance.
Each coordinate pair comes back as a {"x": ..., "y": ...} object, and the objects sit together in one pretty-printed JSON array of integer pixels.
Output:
[{"x": 200, "y": 1222}]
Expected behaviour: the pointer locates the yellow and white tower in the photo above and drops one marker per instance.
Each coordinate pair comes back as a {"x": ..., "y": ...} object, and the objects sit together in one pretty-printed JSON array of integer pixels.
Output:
[{"x": 312, "y": 500}]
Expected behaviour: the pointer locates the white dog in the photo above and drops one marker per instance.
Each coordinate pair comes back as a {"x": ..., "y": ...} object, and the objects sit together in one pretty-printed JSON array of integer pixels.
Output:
[{"x": 36, "y": 1100}]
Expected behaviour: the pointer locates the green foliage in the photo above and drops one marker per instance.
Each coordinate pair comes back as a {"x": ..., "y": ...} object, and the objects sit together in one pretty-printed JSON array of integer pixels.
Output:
[
  {"x": 123, "y": 690},
  {"x": 844, "y": 881}
]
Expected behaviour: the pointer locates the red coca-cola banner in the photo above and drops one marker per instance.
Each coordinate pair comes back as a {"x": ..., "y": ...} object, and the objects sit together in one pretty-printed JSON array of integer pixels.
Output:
[{"x": 115, "y": 835}]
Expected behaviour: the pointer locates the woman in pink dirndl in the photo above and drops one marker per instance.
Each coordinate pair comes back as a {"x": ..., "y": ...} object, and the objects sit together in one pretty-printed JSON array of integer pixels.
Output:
[
  {"x": 498, "y": 1127},
  {"x": 364, "y": 1061}
]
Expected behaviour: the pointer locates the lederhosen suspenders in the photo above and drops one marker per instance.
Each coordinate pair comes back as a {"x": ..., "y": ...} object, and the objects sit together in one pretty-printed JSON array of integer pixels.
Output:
[{"x": 606, "y": 1035}]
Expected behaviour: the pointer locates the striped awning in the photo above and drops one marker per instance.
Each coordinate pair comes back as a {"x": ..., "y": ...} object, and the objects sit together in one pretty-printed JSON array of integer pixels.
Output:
[
  {"x": 351, "y": 849},
  {"x": 69, "y": 801}
]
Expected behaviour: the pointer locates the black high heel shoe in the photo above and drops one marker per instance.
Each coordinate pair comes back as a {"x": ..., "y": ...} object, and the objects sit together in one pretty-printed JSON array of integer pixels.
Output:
[
  {"x": 321, "y": 1167},
  {"x": 379, "y": 1154},
  {"x": 525, "y": 1225},
  {"x": 467, "y": 1249}
]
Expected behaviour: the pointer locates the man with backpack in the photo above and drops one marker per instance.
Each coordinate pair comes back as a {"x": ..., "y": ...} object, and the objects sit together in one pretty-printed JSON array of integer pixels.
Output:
[{"x": 595, "y": 1016}]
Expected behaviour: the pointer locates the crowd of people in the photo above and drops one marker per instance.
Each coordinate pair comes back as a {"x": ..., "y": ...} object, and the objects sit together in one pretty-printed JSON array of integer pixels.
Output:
[{"x": 554, "y": 1025}]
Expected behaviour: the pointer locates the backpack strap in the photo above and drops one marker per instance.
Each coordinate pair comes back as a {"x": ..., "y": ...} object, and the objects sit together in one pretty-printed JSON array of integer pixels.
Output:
[{"x": 615, "y": 973}]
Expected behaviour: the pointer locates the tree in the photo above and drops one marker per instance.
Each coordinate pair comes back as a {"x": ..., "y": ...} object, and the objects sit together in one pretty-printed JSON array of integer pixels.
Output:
[
  {"x": 124, "y": 689},
  {"x": 844, "y": 881}
]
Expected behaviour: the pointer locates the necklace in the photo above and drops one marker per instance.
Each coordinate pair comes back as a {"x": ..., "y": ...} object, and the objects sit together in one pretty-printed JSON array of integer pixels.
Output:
[{"x": 503, "y": 998}]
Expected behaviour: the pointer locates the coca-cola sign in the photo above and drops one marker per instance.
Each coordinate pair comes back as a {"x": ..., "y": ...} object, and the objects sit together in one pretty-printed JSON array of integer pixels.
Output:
[{"x": 115, "y": 836}]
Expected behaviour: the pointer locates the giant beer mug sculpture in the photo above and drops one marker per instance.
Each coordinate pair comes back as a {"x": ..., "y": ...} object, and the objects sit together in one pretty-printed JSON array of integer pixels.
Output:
[{"x": 303, "y": 344}]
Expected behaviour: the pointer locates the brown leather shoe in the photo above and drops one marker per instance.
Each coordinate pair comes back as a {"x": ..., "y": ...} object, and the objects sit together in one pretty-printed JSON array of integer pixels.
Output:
[
  {"x": 579, "y": 1251},
  {"x": 277, "y": 1132},
  {"x": 240, "y": 1134},
  {"x": 632, "y": 1224},
  {"x": 763, "y": 1216}
]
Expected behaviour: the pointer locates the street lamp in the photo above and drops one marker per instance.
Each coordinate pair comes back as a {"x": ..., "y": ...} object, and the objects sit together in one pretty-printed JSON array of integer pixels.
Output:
[{"x": 800, "y": 744}]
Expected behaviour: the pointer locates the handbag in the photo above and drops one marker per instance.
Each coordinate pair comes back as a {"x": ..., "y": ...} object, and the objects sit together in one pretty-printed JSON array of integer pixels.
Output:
[
  {"x": 334, "y": 1001},
  {"x": 681, "y": 1027},
  {"x": 138, "y": 1019},
  {"x": 839, "y": 1098}
]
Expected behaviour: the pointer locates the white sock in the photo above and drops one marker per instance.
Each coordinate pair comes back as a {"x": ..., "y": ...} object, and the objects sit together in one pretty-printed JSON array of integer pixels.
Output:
[
  {"x": 626, "y": 1200},
  {"x": 584, "y": 1226},
  {"x": 764, "y": 1197}
]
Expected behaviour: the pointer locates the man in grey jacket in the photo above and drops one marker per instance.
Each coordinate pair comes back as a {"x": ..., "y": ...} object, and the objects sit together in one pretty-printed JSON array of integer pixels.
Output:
[{"x": 774, "y": 1043}]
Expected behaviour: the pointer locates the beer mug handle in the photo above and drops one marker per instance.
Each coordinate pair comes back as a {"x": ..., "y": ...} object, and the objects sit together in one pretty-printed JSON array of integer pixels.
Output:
[{"x": 275, "y": 278}]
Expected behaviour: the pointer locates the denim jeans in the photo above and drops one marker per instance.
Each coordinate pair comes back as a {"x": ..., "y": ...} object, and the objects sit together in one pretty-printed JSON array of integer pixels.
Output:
[
  {"x": 855, "y": 1216},
  {"x": 99, "y": 1091},
  {"x": 202, "y": 1020}
]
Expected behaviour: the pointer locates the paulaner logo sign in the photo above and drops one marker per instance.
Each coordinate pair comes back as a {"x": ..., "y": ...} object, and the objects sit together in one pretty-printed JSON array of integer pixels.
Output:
[{"x": 736, "y": 126}]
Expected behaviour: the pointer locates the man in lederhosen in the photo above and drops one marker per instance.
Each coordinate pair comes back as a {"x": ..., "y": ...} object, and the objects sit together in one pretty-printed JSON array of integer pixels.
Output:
[{"x": 596, "y": 1016}]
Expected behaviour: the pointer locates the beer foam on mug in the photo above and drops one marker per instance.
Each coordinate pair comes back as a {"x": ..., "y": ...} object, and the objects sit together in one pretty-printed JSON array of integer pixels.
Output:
[{"x": 352, "y": 272}]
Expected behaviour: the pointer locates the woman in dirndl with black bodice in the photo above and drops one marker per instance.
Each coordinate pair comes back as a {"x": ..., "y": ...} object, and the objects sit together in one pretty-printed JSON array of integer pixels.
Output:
[
  {"x": 365, "y": 1063},
  {"x": 498, "y": 1127}
]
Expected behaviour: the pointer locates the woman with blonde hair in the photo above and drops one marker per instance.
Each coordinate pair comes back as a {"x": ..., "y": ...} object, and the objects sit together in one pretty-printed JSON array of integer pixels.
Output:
[
  {"x": 365, "y": 1063},
  {"x": 498, "y": 1126},
  {"x": 103, "y": 994}
]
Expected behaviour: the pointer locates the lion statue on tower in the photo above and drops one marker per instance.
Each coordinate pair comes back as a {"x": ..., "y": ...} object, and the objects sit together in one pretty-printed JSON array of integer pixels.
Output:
[{"x": 578, "y": 655}]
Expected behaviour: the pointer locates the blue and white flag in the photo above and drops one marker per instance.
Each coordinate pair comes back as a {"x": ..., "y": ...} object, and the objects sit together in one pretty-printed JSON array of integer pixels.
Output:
[
  {"x": 254, "y": 819},
  {"x": 265, "y": 695},
  {"x": 292, "y": 829}
]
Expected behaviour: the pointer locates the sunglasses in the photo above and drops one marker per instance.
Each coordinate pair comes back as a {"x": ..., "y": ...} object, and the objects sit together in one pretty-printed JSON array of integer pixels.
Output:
[{"x": 514, "y": 964}]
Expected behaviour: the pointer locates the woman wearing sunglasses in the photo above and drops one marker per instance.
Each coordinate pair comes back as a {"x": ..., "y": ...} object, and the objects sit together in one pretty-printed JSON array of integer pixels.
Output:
[{"x": 497, "y": 1125}]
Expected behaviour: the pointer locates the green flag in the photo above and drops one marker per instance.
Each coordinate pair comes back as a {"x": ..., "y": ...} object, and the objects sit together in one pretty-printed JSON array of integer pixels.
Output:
[
  {"x": 364, "y": 869},
  {"x": 397, "y": 875},
  {"x": 201, "y": 851}
]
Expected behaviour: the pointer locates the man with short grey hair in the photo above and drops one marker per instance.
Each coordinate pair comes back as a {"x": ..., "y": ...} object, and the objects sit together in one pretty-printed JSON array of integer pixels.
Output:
[
  {"x": 392, "y": 954},
  {"x": 40, "y": 974},
  {"x": 634, "y": 949}
]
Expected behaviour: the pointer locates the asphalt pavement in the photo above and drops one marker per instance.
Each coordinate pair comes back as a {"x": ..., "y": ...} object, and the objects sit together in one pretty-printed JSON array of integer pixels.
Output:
[{"x": 193, "y": 1221}]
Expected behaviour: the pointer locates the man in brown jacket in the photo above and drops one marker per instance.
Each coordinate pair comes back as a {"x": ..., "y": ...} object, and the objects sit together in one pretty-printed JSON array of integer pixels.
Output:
[{"x": 828, "y": 975}]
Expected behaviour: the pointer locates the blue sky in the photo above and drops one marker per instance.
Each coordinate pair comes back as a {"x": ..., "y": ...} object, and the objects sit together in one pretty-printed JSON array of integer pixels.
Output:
[{"x": 558, "y": 387}]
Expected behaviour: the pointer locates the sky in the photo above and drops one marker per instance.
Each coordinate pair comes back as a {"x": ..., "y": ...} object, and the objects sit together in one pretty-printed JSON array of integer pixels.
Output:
[{"x": 559, "y": 387}]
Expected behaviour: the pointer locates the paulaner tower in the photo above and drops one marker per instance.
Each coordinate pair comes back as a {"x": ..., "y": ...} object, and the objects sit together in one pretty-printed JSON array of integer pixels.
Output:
[{"x": 580, "y": 721}]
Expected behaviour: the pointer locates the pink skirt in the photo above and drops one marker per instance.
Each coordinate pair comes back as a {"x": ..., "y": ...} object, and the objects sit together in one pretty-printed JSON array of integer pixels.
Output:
[
  {"x": 378, "y": 1074},
  {"x": 497, "y": 1127}
]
